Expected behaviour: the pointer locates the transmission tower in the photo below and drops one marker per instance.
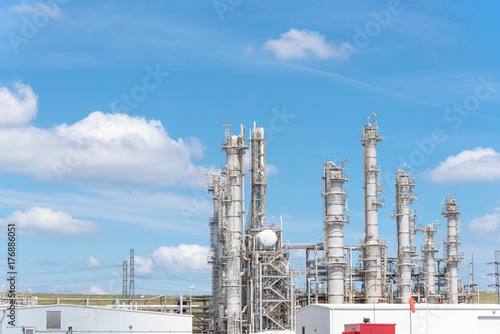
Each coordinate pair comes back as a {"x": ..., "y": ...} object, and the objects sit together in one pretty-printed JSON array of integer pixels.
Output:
[
  {"x": 124, "y": 274},
  {"x": 131, "y": 291},
  {"x": 497, "y": 276}
]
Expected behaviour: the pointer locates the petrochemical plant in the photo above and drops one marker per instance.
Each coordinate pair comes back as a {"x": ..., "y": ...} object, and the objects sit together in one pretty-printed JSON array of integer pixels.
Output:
[{"x": 253, "y": 282}]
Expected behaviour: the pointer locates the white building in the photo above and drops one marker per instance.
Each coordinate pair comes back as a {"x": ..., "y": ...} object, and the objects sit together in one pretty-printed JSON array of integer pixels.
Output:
[
  {"x": 427, "y": 319},
  {"x": 90, "y": 320}
]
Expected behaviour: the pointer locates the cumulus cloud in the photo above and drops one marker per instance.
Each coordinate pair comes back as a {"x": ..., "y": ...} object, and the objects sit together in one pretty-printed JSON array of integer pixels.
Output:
[
  {"x": 18, "y": 105},
  {"x": 96, "y": 291},
  {"x": 52, "y": 9},
  {"x": 49, "y": 222},
  {"x": 143, "y": 265},
  {"x": 487, "y": 226},
  {"x": 479, "y": 164},
  {"x": 100, "y": 148},
  {"x": 182, "y": 258},
  {"x": 93, "y": 262},
  {"x": 298, "y": 44}
]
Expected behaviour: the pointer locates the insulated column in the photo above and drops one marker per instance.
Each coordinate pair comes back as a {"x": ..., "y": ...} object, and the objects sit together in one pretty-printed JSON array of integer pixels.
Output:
[
  {"x": 335, "y": 216},
  {"x": 405, "y": 231},
  {"x": 372, "y": 266},
  {"x": 452, "y": 213},
  {"x": 235, "y": 150},
  {"x": 429, "y": 250}
]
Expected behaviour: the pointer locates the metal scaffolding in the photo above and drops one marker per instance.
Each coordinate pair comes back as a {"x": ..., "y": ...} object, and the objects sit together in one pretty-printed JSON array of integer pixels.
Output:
[
  {"x": 268, "y": 280},
  {"x": 124, "y": 278},
  {"x": 497, "y": 276}
]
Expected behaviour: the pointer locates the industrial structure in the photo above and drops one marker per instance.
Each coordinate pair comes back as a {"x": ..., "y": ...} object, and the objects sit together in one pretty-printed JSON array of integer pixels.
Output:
[{"x": 253, "y": 282}]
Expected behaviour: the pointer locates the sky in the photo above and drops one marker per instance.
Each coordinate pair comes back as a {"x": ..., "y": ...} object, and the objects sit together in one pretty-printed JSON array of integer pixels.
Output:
[{"x": 111, "y": 112}]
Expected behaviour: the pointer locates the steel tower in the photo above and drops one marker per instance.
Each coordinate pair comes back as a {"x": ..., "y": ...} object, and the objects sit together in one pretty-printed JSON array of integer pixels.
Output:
[
  {"x": 335, "y": 215},
  {"x": 372, "y": 248},
  {"x": 405, "y": 218}
]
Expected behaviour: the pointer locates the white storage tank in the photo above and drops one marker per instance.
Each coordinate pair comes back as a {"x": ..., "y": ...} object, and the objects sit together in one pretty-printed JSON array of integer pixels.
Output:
[{"x": 266, "y": 240}]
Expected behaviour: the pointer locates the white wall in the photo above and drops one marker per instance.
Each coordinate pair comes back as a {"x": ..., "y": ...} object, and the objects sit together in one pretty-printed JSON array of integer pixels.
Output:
[
  {"x": 97, "y": 319},
  {"x": 428, "y": 319}
]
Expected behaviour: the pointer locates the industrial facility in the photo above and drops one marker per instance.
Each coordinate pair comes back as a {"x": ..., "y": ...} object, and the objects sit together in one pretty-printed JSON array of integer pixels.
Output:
[{"x": 253, "y": 282}]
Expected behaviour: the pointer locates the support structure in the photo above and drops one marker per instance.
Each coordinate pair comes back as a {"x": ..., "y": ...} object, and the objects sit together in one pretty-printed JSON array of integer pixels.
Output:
[
  {"x": 497, "y": 276},
  {"x": 372, "y": 248},
  {"x": 124, "y": 277},
  {"x": 335, "y": 215},
  {"x": 235, "y": 150},
  {"x": 405, "y": 218},
  {"x": 131, "y": 291},
  {"x": 216, "y": 258},
  {"x": 269, "y": 299},
  {"x": 429, "y": 250},
  {"x": 452, "y": 212}
]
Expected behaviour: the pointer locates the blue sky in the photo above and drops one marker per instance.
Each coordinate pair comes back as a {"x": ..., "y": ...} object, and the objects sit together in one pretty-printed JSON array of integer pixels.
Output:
[{"x": 112, "y": 111}]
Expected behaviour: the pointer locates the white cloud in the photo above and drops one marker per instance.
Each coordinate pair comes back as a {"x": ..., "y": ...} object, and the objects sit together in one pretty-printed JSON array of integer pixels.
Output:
[
  {"x": 99, "y": 148},
  {"x": 18, "y": 105},
  {"x": 52, "y": 10},
  {"x": 93, "y": 262},
  {"x": 487, "y": 226},
  {"x": 248, "y": 50},
  {"x": 143, "y": 265},
  {"x": 297, "y": 44},
  {"x": 96, "y": 290},
  {"x": 182, "y": 258},
  {"x": 49, "y": 222},
  {"x": 271, "y": 169},
  {"x": 479, "y": 164}
]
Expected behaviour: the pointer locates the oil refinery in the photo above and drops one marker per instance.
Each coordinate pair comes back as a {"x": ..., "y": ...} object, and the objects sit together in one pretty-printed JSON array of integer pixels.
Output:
[
  {"x": 254, "y": 285},
  {"x": 348, "y": 288}
]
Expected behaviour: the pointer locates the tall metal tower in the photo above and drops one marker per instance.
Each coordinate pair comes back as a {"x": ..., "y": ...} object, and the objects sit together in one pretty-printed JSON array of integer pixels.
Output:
[
  {"x": 405, "y": 218},
  {"x": 235, "y": 150},
  {"x": 217, "y": 259},
  {"x": 258, "y": 179},
  {"x": 131, "y": 291},
  {"x": 372, "y": 248},
  {"x": 429, "y": 250},
  {"x": 497, "y": 276},
  {"x": 452, "y": 212},
  {"x": 124, "y": 275},
  {"x": 268, "y": 281},
  {"x": 335, "y": 215}
]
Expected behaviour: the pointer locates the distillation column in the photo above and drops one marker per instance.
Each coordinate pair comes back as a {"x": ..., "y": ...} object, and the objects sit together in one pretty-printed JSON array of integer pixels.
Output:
[
  {"x": 258, "y": 179},
  {"x": 235, "y": 150},
  {"x": 372, "y": 248},
  {"x": 452, "y": 212},
  {"x": 405, "y": 219},
  {"x": 429, "y": 250},
  {"x": 335, "y": 216},
  {"x": 216, "y": 259},
  {"x": 269, "y": 302}
]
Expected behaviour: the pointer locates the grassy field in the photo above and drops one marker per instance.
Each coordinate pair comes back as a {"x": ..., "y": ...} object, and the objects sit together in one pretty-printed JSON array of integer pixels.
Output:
[{"x": 486, "y": 297}]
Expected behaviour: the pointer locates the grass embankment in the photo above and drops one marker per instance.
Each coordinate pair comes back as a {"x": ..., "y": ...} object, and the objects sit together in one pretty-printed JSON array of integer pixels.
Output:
[{"x": 99, "y": 300}]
